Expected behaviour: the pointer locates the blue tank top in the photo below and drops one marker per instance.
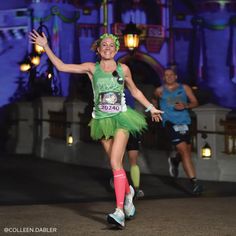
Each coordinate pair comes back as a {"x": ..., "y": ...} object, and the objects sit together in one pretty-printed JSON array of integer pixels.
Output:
[{"x": 167, "y": 103}]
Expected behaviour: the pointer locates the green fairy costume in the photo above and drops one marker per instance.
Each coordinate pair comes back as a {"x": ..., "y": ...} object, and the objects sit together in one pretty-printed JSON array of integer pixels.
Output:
[{"x": 110, "y": 112}]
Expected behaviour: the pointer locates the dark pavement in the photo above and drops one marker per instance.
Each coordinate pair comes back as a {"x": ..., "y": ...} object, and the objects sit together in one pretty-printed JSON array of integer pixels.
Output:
[{"x": 74, "y": 200}]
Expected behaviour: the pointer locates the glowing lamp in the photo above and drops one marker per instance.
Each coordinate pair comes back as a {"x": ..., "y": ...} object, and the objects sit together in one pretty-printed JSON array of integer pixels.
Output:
[
  {"x": 35, "y": 60},
  {"x": 206, "y": 151},
  {"x": 131, "y": 36},
  {"x": 25, "y": 66},
  {"x": 49, "y": 76},
  {"x": 70, "y": 140}
]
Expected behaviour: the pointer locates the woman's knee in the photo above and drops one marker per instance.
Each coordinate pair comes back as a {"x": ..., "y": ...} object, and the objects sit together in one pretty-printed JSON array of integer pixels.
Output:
[{"x": 115, "y": 164}]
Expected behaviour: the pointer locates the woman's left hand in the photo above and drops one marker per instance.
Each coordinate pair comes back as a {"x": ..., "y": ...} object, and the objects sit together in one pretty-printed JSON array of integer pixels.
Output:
[{"x": 156, "y": 114}]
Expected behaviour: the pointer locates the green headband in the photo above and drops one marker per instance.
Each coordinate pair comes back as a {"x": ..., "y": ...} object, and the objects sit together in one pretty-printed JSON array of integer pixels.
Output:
[{"x": 112, "y": 36}]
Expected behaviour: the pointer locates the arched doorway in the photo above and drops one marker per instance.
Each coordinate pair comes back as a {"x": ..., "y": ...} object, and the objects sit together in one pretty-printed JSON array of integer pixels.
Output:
[
  {"x": 147, "y": 74},
  {"x": 145, "y": 70}
]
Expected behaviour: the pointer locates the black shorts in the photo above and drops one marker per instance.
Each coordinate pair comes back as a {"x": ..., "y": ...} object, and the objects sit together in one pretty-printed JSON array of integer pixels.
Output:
[
  {"x": 133, "y": 143},
  {"x": 176, "y": 135}
]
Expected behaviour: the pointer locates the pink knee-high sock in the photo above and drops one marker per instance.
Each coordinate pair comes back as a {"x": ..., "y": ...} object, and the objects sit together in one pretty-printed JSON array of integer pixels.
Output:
[{"x": 120, "y": 185}]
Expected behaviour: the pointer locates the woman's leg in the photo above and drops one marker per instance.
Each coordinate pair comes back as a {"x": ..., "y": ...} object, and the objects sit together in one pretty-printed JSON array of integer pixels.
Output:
[
  {"x": 124, "y": 193},
  {"x": 118, "y": 149},
  {"x": 107, "y": 145},
  {"x": 116, "y": 160},
  {"x": 115, "y": 149}
]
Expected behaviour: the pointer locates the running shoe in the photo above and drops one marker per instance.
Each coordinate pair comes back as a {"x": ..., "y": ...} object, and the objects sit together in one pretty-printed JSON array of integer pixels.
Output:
[
  {"x": 117, "y": 218},
  {"x": 174, "y": 165},
  {"x": 139, "y": 193},
  {"x": 129, "y": 206},
  {"x": 197, "y": 188}
]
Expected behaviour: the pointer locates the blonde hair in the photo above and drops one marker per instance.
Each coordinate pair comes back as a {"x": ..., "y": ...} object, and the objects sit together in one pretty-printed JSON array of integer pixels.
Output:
[{"x": 97, "y": 43}]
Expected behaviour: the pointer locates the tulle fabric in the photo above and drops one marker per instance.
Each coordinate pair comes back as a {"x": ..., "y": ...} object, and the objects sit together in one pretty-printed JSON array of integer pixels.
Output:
[{"x": 131, "y": 120}]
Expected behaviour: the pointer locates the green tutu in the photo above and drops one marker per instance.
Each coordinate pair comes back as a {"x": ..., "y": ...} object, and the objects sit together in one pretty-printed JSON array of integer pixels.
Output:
[{"x": 131, "y": 120}]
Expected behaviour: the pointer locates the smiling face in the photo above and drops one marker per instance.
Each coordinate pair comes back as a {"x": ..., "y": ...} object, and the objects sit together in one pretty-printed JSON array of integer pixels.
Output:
[
  {"x": 107, "y": 48},
  {"x": 169, "y": 77}
]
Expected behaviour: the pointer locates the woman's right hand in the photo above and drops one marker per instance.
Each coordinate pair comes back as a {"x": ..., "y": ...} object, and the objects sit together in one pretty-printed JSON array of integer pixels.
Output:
[{"x": 38, "y": 39}]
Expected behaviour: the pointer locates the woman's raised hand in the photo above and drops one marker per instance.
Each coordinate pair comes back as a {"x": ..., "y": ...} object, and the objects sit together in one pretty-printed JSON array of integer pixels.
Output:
[{"x": 38, "y": 39}]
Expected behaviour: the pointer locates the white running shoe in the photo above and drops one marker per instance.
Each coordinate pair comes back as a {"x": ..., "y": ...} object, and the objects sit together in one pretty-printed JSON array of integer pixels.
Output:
[
  {"x": 117, "y": 218},
  {"x": 129, "y": 206}
]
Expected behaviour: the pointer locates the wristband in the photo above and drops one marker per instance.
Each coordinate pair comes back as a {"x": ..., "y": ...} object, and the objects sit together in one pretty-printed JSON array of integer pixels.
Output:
[{"x": 149, "y": 107}]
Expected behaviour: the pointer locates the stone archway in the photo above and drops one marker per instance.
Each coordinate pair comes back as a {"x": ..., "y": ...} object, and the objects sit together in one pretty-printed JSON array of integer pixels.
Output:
[
  {"x": 146, "y": 71},
  {"x": 147, "y": 74}
]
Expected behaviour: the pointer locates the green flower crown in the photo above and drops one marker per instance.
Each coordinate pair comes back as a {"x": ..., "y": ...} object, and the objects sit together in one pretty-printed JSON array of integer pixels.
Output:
[{"x": 106, "y": 35}]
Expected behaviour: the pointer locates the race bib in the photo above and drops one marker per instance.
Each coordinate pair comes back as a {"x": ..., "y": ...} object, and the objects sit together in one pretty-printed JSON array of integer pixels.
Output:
[
  {"x": 180, "y": 128},
  {"x": 110, "y": 102}
]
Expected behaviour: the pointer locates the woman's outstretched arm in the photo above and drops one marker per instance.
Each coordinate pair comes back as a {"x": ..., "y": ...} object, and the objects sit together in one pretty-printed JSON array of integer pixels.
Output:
[{"x": 41, "y": 40}]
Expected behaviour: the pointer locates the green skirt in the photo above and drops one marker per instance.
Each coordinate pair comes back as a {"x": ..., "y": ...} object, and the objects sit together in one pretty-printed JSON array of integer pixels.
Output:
[{"x": 105, "y": 128}]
